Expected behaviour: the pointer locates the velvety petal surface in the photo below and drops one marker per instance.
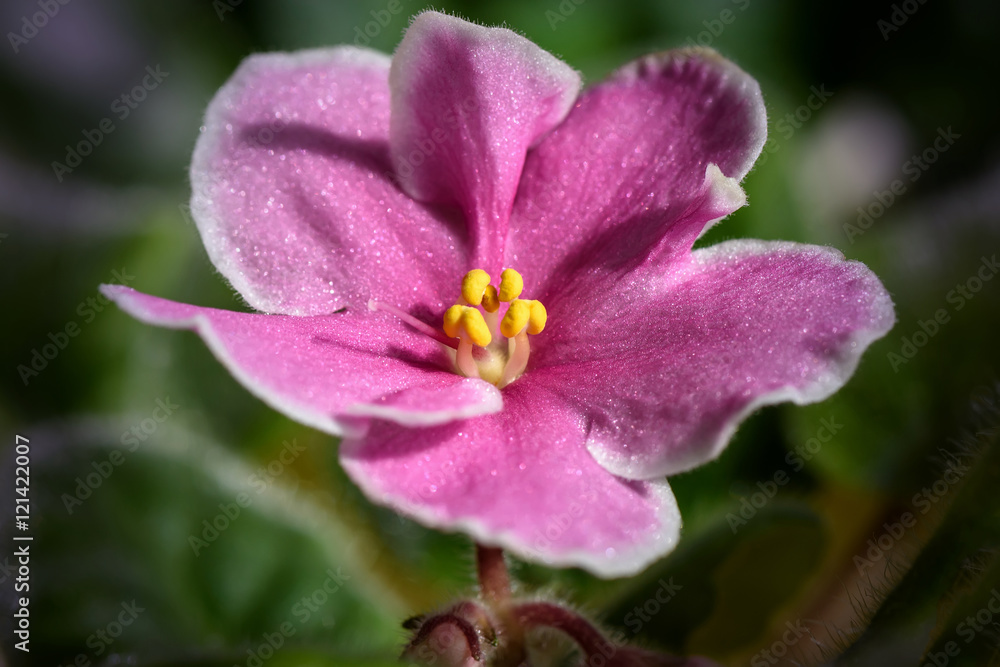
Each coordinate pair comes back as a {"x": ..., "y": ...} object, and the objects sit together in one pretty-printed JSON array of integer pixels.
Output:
[
  {"x": 467, "y": 102},
  {"x": 629, "y": 172},
  {"x": 332, "y": 372},
  {"x": 664, "y": 367},
  {"x": 521, "y": 479},
  {"x": 293, "y": 193}
]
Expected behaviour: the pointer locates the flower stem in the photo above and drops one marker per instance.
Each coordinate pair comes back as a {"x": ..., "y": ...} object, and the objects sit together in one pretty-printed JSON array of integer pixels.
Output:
[
  {"x": 494, "y": 587},
  {"x": 494, "y": 581}
]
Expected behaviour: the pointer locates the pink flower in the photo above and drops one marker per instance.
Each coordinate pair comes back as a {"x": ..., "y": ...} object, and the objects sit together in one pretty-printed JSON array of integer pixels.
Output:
[{"x": 325, "y": 180}]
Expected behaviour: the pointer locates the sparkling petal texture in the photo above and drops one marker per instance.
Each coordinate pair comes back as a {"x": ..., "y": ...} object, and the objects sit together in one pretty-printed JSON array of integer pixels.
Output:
[
  {"x": 292, "y": 190},
  {"x": 625, "y": 173},
  {"x": 309, "y": 198},
  {"x": 331, "y": 372},
  {"x": 467, "y": 102},
  {"x": 665, "y": 365},
  {"x": 521, "y": 479}
]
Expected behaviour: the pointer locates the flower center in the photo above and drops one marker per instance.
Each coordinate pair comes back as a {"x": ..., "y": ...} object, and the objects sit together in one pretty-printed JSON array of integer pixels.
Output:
[{"x": 489, "y": 347}]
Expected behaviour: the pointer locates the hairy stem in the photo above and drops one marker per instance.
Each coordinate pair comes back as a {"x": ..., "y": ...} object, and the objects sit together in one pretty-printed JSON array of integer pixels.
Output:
[{"x": 494, "y": 581}]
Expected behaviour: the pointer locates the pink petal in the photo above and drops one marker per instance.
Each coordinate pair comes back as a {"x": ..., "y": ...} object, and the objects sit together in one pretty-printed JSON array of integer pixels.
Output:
[
  {"x": 293, "y": 191},
  {"x": 521, "y": 479},
  {"x": 665, "y": 368},
  {"x": 627, "y": 171},
  {"x": 467, "y": 102},
  {"x": 330, "y": 372}
]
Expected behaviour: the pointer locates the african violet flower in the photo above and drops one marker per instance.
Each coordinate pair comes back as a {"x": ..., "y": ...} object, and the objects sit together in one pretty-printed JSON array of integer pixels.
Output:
[{"x": 356, "y": 199}]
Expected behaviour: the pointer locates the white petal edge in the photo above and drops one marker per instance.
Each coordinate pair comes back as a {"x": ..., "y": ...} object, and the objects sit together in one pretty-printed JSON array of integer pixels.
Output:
[
  {"x": 430, "y": 20},
  {"x": 724, "y": 193},
  {"x": 213, "y": 232},
  {"x": 820, "y": 389},
  {"x": 492, "y": 400},
  {"x": 735, "y": 76},
  {"x": 621, "y": 564}
]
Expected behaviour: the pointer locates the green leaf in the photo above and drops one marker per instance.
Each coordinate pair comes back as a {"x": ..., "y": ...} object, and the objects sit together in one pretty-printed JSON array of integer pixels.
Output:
[
  {"x": 956, "y": 571},
  {"x": 212, "y": 563},
  {"x": 731, "y": 582}
]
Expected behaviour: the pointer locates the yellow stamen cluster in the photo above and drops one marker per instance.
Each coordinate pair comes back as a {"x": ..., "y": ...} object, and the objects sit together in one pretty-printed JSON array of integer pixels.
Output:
[
  {"x": 477, "y": 291},
  {"x": 500, "y": 363}
]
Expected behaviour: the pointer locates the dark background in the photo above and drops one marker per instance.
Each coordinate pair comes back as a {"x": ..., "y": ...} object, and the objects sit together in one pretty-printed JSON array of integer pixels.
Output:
[{"x": 827, "y": 551}]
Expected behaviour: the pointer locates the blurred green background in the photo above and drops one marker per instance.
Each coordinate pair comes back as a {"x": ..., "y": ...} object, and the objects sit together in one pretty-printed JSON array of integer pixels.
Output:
[{"x": 875, "y": 546}]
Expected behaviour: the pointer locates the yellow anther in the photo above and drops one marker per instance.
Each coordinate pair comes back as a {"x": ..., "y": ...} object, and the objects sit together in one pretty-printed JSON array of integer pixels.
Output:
[
  {"x": 511, "y": 284},
  {"x": 461, "y": 319},
  {"x": 491, "y": 303},
  {"x": 475, "y": 327},
  {"x": 537, "y": 318},
  {"x": 516, "y": 318},
  {"x": 474, "y": 284},
  {"x": 452, "y": 320}
]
